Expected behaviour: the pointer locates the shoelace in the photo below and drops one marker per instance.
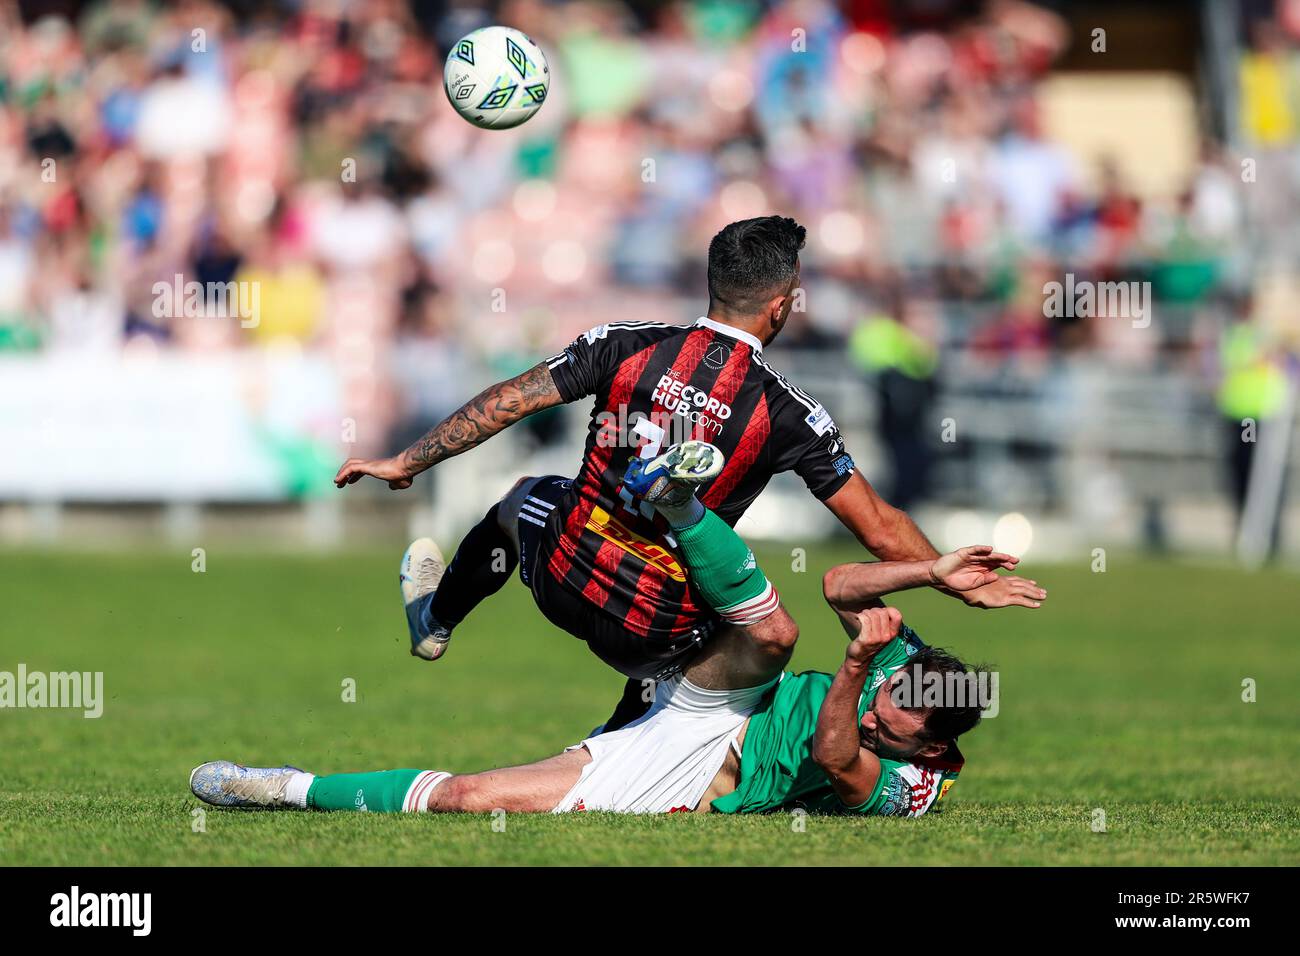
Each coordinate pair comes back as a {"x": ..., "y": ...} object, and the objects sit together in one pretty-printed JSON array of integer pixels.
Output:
[
  {"x": 425, "y": 573},
  {"x": 259, "y": 789}
]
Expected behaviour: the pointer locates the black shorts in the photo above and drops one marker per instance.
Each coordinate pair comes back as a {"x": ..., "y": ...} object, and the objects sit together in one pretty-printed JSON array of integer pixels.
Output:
[{"x": 609, "y": 639}]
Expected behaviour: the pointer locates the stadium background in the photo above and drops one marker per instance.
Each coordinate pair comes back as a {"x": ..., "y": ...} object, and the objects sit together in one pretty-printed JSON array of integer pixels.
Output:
[{"x": 949, "y": 158}]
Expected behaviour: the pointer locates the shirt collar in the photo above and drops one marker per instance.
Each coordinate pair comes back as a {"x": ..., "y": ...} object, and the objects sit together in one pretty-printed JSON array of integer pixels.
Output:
[{"x": 722, "y": 329}]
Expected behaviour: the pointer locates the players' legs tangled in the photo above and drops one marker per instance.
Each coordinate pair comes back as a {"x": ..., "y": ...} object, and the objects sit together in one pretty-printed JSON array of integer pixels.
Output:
[
  {"x": 758, "y": 635},
  {"x": 753, "y": 640},
  {"x": 749, "y": 651},
  {"x": 745, "y": 655}
]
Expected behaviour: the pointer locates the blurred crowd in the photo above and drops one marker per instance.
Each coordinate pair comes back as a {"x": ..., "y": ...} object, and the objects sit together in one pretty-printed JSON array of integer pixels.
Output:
[{"x": 308, "y": 147}]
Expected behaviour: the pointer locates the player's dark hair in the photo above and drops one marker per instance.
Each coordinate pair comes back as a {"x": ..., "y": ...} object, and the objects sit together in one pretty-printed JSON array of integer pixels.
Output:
[
  {"x": 952, "y": 718},
  {"x": 751, "y": 260}
]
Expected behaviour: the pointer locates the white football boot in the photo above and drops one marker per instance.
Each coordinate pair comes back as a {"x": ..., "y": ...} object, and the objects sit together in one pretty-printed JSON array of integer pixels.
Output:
[
  {"x": 225, "y": 784},
  {"x": 671, "y": 478},
  {"x": 422, "y": 569}
]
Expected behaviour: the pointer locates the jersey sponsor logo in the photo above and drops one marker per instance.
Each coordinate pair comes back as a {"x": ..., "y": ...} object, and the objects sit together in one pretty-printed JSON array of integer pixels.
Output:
[
  {"x": 944, "y": 788},
  {"x": 843, "y": 465},
  {"x": 717, "y": 356},
  {"x": 819, "y": 420},
  {"x": 693, "y": 404},
  {"x": 896, "y": 796},
  {"x": 910, "y": 790},
  {"x": 612, "y": 530}
]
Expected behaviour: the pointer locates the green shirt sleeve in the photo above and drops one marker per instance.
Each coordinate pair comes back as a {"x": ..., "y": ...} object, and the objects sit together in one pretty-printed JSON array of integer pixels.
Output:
[{"x": 904, "y": 790}]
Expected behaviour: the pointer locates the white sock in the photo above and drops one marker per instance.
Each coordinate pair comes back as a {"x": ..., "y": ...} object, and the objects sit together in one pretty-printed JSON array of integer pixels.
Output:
[
  {"x": 417, "y": 794},
  {"x": 681, "y": 517},
  {"x": 295, "y": 791}
]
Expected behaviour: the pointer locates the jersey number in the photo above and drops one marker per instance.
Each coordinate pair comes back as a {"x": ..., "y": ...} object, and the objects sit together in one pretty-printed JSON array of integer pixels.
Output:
[{"x": 652, "y": 440}]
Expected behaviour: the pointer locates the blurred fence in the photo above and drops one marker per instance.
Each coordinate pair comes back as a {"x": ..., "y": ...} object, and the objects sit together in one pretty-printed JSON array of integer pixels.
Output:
[{"x": 1094, "y": 451}]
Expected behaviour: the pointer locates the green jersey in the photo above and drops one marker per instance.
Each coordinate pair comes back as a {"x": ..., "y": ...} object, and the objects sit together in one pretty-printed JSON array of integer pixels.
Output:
[{"x": 776, "y": 766}]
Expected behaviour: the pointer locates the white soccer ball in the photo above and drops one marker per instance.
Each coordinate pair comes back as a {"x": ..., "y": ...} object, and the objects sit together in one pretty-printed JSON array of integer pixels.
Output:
[{"x": 496, "y": 77}]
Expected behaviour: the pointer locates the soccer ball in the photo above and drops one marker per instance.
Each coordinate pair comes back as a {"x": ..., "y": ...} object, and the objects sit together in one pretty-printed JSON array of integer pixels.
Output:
[{"x": 496, "y": 77}]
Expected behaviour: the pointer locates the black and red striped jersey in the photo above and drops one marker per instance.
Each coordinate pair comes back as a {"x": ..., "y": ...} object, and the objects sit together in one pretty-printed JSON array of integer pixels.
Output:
[{"x": 657, "y": 384}]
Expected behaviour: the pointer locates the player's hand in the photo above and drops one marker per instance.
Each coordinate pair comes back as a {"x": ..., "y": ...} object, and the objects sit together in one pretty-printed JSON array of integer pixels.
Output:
[
  {"x": 879, "y": 626},
  {"x": 390, "y": 470},
  {"x": 1007, "y": 591},
  {"x": 968, "y": 568}
]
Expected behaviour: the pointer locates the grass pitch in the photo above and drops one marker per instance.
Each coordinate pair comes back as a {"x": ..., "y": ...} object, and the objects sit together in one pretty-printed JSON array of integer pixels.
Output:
[{"x": 1123, "y": 694}]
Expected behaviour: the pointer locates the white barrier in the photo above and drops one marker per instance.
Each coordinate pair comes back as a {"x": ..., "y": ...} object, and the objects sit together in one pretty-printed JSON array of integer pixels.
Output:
[{"x": 124, "y": 427}]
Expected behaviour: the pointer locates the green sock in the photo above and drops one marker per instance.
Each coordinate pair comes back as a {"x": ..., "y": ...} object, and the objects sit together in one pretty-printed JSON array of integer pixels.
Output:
[
  {"x": 383, "y": 791},
  {"x": 723, "y": 570}
]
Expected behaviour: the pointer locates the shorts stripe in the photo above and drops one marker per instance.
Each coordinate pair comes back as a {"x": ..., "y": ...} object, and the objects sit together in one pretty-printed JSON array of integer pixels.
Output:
[{"x": 525, "y": 516}]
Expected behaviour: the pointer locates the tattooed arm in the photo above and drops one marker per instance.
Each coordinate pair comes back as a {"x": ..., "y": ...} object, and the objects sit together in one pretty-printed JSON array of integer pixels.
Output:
[{"x": 473, "y": 423}]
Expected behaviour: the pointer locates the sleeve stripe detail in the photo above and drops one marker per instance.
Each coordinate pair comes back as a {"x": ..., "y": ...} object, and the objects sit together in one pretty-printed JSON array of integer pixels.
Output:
[
  {"x": 643, "y": 325},
  {"x": 799, "y": 395}
]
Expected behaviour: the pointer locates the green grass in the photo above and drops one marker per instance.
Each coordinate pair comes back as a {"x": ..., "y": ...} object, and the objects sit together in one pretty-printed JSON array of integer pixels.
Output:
[{"x": 1123, "y": 693}]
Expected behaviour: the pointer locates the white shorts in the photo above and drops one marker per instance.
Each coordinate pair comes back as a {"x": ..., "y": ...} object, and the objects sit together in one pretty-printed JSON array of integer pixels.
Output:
[{"x": 664, "y": 761}]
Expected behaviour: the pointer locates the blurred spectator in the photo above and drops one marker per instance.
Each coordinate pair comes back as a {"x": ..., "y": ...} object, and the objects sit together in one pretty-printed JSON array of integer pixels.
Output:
[
  {"x": 1252, "y": 391},
  {"x": 309, "y": 150},
  {"x": 898, "y": 352}
]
